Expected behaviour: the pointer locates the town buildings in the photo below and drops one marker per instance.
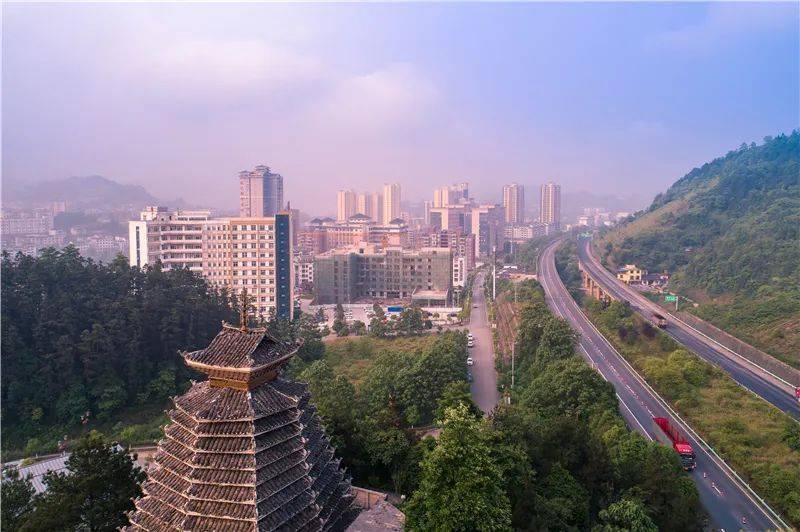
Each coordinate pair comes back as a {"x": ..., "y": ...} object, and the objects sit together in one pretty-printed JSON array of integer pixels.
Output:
[
  {"x": 260, "y": 192},
  {"x": 450, "y": 195},
  {"x": 172, "y": 237},
  {"x": 391, "y": 203},
  {"x": 368, "y": 270},
  {"x": 551, "y": 204},
  {"x": 514, "y": 203},
  {"x": 253, "y": 253},
  {"x": 631, "y": 274},
  {"x": 345, "y": 205}
]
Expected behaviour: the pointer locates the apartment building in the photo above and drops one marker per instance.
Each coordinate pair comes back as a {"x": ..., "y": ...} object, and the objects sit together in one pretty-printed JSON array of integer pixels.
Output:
[
  {"x": 346, "y": 204},
  {"x": 260, "y": 192},
  {"x": 370, "y": 271},
  {"x": 514, "y": 203},
  {"x": 253, "y": 254},
  {"x": 391, "y": 203},
  {"x": 172, "y": 237},
  {"x": 551, "y": 204}
]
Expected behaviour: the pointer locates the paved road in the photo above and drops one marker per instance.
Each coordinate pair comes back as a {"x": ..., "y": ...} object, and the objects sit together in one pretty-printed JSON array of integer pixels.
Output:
[
  {"x": 748, "y": 375},
  {"x": 484, "y": 385},
  {"x": 726, "y": 500}
]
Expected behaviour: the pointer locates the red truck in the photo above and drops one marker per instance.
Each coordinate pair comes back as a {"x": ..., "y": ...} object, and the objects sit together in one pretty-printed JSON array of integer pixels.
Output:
[
  {"x": 669, "y": 435},
  {"x": 659, "y": 320}
]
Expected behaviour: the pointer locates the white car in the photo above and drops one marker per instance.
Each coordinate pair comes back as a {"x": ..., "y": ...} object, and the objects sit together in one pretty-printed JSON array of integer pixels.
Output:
[
  {"x": 470, "y": 361},
  {"x": 470, "y": 337},
  {"x": 471, "y": 343}
]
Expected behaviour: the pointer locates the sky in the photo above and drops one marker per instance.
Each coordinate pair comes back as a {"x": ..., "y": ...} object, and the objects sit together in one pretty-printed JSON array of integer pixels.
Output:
[{"x": 619, "y": 99}]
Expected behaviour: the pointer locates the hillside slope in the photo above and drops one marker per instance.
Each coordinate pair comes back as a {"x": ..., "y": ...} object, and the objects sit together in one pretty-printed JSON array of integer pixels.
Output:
[{"x": 729, "y": 233}]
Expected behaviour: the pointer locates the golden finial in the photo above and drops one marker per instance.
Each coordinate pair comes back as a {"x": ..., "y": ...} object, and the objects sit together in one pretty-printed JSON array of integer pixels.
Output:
[{"x": 243, "y": 311}]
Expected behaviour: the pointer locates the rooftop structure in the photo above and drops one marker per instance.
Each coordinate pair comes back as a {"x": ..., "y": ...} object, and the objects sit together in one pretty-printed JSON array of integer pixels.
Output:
[{"x": 245, "y": 450}]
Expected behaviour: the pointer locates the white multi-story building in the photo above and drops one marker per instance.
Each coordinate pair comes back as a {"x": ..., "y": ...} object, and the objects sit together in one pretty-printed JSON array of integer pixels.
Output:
[
  {"x": 260, "y": 192},
  {"x": 514, "y": 203},
  {"x": 173, "y": 237},
  {"x": 252, "y": 253},
  {"x": 551, "y": 204},
  {"x": 391, "y": 202},
  {"x": 303, "y": 270},
  {"x": 346, "y": 205}
]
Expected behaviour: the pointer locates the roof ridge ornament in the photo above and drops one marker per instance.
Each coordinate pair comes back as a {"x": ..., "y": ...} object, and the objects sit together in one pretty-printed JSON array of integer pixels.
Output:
[{"x": 243, "y": 311}]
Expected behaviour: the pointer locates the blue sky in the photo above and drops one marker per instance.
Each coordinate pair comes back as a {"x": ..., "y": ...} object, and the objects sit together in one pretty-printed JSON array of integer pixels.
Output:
[{"x": 607, "y": 98}]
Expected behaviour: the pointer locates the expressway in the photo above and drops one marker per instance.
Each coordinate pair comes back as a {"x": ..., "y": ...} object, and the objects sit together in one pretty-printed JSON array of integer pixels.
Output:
[
  {"x": 747, "y": 374},
  {"x": 728, "y": 501}
]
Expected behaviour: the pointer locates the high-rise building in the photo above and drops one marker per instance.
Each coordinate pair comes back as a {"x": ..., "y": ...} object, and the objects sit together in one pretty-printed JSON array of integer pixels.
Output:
[
  {"x": 363, "y": 205},
  {"x": 376, "y": 202},
  {"x": 260, "y": 192},
  {"x": 551, "y": 204},
  {"x": 253, "y": 254},
  {"x": 487, "y": 223},
  {"x": 514, "y": 203},
  {"x": 345, "y": 205},
  {"x": 450, "y": 195},
  {"x": 391, "y": 202},
  {"x": 172, "y": 237}
]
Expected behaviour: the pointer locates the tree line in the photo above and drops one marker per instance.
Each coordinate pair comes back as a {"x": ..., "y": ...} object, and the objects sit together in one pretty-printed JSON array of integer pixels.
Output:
[
  {"x": 85, "y": 342},
  {"x": 559, "y": 457}
]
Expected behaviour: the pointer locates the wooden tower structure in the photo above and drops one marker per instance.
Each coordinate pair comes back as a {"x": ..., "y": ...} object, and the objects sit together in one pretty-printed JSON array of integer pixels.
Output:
[{"x": 245, "y": 450}]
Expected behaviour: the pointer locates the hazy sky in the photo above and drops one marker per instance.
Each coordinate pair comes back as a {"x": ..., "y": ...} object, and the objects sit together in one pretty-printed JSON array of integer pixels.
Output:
[{"x": 609, "y": 98}]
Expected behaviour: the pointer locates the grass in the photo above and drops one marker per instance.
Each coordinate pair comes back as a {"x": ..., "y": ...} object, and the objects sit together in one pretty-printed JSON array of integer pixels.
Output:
[
  {"x": 352, "y": 357},
  {"x": 745, "y": 430}
]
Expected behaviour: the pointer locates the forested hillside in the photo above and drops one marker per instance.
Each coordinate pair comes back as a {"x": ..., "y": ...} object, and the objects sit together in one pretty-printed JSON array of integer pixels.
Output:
[
  {"x": 728, "y": 232},
  {"x": 84, "y": 341}
]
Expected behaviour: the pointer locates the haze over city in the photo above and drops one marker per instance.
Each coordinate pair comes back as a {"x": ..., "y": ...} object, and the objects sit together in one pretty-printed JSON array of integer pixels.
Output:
[{"x": 598, "y": 97}]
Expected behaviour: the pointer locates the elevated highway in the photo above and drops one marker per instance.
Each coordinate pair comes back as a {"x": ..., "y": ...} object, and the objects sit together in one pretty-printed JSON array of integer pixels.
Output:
[
  {"x": 729, "y": 501},
  {"x": 755, "y": 378}
]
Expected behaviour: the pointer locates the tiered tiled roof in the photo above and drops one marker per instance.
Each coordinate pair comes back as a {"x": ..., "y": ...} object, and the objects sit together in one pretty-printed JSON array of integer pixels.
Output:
[{"x": 245, "y": 450}]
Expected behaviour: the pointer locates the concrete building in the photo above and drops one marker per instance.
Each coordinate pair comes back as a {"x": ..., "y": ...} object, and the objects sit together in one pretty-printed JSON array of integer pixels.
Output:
[
  {"x": 514, "y": 203},
  {"x": 254, "y": 254},
  {"x": 345, "y": 205},
  {"x": 26, "y": 223},
  {"x": 551, "y": 204},
  {"x": 369, "y": 271},
  {"x": 487, "y": 223},
  {"x": 451, "y": 218},
  {"x": 450, "y": 195},
  {"x": 522, "y": 233},
  {"x": 394, "y": 234},
  {"x": 391, "y": 203},
  {"x": 260, "y": 193},
  {"x": 631, "y": 274},
  {"x": 303, "y": 271},
  {"x": 172, "y": 237}
]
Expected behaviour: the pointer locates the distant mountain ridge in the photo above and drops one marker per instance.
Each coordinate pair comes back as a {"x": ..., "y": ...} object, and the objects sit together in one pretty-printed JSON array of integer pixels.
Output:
[
  {"x": 92, "y": 191},
  {"x": 729, "y": 231}
]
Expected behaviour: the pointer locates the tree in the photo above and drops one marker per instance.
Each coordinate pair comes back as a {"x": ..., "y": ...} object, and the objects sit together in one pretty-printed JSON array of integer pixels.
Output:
[
  {"x": 456, "y": 393},
  {"x": 94, "y": 493},
  {"x": 308, "y": 331},
  {"x": 557, "y": 341},
  {"x": 358, "y": 328},
  {"x": 625, "y": 515},
  {"x": 462, "y": 486},
  {"x": 339, "y": 321},
  {"x": 16, "y": 500}
]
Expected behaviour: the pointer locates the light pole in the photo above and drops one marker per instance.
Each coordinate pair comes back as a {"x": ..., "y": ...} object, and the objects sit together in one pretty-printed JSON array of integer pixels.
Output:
[{"x": 513, "y": 348}]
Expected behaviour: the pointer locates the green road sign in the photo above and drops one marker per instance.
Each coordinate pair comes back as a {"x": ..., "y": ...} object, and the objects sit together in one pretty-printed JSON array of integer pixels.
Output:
[{"x": 671, "y": 299}]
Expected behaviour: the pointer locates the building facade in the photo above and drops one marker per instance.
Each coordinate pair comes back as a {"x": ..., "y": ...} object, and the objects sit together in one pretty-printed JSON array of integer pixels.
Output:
[
  {"x": 514, "y": 203},
  {"x": 345, "y": 205},
  {"x": 260, "y": 193},
  {"x": 367, "y": 270},
  {"x": 253, "y": 254},
  {"x": 391, "y": 203},
  {"x": 551, "y": 204},
  {"x": 172, "y": 237}
]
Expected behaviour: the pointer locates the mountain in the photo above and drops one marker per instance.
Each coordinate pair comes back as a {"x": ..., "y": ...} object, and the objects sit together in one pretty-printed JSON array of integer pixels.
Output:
[
  {"x": 728, "y": 231},
  {"x": 93, "y": 192}
]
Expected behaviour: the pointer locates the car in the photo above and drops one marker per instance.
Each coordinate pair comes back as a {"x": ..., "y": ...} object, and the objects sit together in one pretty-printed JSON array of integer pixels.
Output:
[
  {"x": 470, "y": 336},
  {"x": 471, "y": 343},
  {"x": 469, "y": 376},
  {"x": 474, "y": 306},
  {"x": 470, "y": 362}
]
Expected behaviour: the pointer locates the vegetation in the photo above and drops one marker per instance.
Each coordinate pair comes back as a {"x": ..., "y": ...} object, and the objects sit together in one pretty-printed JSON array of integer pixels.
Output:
[
  {"x": 371, "y": 394},
  {"x": 754, "y": 437},
  {"x": 558, "y": 458},
  {"x": 87, "y": 343},
  {"x": 728, "y": 233},
  {"x": 94, "y": 493}
]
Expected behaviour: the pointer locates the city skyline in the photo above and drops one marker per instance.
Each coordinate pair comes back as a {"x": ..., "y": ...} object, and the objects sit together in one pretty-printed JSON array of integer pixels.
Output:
[{"x": 183, "y": 119}]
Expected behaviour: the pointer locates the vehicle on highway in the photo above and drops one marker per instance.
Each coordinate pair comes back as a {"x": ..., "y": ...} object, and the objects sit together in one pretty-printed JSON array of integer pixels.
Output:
[
  {"x": 469, "y": 376},
  {"x": 659, "y": 320},
  {"x": 470, "y": 343},
  {"x": 474, "y": 306},
  {"x": 470, "y": 336},
  {"x": 668, "y": 434},
  {"x": 470, "y": 362}
]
